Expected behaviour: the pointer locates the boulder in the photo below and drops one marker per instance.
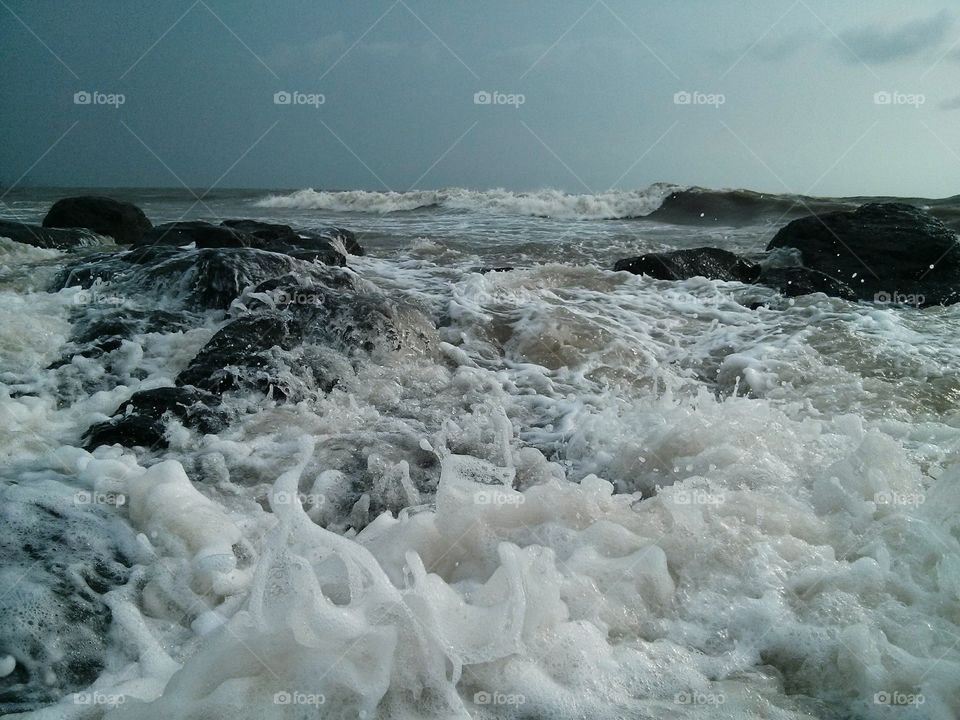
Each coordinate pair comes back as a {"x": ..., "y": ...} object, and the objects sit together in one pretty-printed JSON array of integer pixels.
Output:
[
  {"x": 796, "y": 281},
  {"x": 60, "y": 238},
  {"x": 711, "y": 263},
  {"x": 122, "y": 221},
  {"x": 880, "y": 250},
  {"x": 202, "y": 234}
]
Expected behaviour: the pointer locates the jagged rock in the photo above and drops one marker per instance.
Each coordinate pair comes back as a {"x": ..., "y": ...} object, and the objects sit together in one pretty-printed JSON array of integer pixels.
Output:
[{"x": 711, "y": 263}]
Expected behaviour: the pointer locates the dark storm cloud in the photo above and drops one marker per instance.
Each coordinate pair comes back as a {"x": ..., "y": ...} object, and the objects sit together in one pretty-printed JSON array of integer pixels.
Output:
[{"x": 883, "y": 44}]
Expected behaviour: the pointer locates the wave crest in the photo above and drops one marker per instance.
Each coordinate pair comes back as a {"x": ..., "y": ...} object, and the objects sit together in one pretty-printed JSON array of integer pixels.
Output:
[{"x": 612, "y": 204}]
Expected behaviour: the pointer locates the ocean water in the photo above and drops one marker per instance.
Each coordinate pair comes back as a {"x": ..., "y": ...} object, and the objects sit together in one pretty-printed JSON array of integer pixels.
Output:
[{"x": 574, "y": 494}]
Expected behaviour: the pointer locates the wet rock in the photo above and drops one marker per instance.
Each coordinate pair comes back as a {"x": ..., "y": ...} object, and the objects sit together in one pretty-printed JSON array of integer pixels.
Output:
[
  {"x": 141, "y": 420},
  {"x": 880, "y": 250},
  {"x": 298, "y": 338},
  {"x": 796, "y": 281},
  {"x": 207, "y": 278},
  {"x": 201, "y": 234},
  {"x": 132, "y": 431},
  {"x": 283, "y": 238},
  {"x": 60, "y": 238},
  {"x": 122, "y": 221},
  {"x": 711, "y": 263}
]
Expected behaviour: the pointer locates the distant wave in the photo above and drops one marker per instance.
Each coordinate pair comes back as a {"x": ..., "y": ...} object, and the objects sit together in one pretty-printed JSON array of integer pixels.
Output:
[
  {"x": 661, "y": 202},
  {"x": 542, "y": 203}
]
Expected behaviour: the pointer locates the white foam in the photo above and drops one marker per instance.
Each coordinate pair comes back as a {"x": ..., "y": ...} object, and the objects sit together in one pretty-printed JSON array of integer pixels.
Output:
[{"x": 542, "y": 203}]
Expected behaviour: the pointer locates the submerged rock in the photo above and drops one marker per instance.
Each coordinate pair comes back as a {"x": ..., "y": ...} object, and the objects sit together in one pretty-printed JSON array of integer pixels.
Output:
[
  {"x": 61, "y": 550},
  {"x": 299, "y": 337},
  {"x": 202, "y": 234},
  {"x": 711, "y": 263},
  {"x": 122, "y": 221},
  {"x": 207, "y": 278},
  {"x": 880, "y": 250},
  {"x": 283, "y": 238},
  {"x": 60, "y": 238}
]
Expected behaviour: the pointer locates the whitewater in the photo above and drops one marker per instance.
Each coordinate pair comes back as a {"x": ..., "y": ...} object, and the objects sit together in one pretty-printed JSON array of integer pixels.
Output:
[{"x": 568, "y": 493}]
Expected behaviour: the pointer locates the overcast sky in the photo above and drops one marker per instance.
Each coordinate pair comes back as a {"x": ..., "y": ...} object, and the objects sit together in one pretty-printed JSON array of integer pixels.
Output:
[{"x": 782, "y": 96}]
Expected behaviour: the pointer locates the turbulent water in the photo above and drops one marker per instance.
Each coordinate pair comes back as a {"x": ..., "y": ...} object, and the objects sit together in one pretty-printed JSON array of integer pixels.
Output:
[{"x": 579, "y": 494}]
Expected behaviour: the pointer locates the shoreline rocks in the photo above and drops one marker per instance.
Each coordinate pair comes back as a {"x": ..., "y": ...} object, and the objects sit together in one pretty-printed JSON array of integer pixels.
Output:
[{"x": 881, "y": 252}]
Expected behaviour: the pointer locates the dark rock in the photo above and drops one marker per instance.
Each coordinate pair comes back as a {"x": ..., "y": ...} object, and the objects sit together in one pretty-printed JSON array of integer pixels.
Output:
[
  {"x": 240, "y": 355},
  {"x": 283, "y": 238},
  {"x": 298, "y": 338},
  {"x": 208, "y": 278},
  {"x": 60, "y": 238},
  {"x": 711, "y": 263},
  {"x": 122, "y": 221},
  {"x": 263, "y": 230},
  {"x": 202, "y": 234},
  {"x": 140, "y": 421},
  {"x": 881, "y": 250},
  {"x": 795, "y": 281},
  {"x": 129, "y": 431},
  {"x": 504, "y": 268}
]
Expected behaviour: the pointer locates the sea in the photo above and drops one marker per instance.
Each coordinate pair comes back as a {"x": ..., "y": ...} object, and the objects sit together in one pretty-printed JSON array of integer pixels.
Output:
[{"x": 576, "y": 493}]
